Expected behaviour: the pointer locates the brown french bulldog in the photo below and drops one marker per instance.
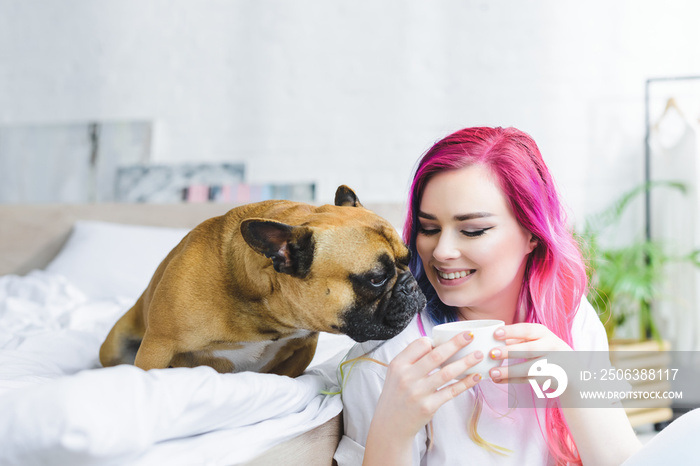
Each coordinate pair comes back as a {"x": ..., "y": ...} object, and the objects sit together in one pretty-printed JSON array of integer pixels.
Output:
[{"x": 251, "y": 289}]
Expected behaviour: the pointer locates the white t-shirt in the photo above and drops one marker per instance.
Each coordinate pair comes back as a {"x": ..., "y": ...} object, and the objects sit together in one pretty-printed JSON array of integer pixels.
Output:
[{"x": 519, "y": 430}]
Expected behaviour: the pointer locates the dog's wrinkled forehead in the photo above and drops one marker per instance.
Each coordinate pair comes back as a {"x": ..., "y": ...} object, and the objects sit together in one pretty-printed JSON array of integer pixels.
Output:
[{"x": 360, "y": 248}]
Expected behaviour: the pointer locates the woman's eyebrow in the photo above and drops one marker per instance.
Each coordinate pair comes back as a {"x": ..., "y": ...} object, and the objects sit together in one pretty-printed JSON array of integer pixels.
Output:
[
  {"x": 459, "y": 218},
  {"x": 471, "y": 216}
]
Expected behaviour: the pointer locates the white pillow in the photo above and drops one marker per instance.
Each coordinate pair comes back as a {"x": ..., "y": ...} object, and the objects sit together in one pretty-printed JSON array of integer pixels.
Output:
[{"x": 108, "y": 260}]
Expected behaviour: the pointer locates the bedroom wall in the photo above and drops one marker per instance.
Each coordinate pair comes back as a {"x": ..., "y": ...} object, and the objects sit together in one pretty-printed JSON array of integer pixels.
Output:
[{"x": 340, "y": 91}]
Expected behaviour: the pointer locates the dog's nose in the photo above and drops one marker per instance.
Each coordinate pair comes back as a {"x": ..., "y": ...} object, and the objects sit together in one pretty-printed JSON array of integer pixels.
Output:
[
  {"x": 403, "y": 278},
  {"x": 406, "y": 284}
]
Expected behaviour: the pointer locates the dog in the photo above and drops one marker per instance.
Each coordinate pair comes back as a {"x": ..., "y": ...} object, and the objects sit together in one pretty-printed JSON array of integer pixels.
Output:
[{"x": 251, "y": 290}]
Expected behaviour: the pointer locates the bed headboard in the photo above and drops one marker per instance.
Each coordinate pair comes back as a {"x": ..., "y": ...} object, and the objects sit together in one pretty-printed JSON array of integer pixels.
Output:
[{"x": 32, "y": 235}]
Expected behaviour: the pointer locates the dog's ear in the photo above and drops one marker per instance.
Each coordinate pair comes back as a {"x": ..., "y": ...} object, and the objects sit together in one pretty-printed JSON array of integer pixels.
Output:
[
  {"x": 345, "y": 196},
  {"x": 291, "y": 248}
]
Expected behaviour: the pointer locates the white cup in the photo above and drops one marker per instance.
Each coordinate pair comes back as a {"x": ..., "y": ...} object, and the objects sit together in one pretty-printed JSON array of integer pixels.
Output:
[{"x": 483, "y": 341}]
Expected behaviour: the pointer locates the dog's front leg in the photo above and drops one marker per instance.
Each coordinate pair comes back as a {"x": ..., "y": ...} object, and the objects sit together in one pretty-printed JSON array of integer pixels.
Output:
[
  {"x": 294, "y": 357},
  {"x": 155, "y": 352}
]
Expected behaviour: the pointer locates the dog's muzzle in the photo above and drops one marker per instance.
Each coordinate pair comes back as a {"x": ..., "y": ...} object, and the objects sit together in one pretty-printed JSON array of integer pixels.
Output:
[{"x": 392, "y": 314}]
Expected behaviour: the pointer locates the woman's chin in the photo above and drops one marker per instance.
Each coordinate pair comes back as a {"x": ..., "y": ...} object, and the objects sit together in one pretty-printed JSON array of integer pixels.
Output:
[{"x": 450, "y": 299}]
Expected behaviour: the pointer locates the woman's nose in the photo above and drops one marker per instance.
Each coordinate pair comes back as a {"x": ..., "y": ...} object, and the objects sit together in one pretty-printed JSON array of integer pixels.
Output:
[{"x": 446, "y": 248}]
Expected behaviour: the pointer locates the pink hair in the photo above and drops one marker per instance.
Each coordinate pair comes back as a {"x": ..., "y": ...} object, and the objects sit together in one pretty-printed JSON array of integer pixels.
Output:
[{"x": 555, "y": 278}]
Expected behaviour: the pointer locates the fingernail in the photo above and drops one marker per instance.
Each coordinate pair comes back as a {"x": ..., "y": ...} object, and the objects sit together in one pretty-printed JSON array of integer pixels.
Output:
[
  {"x": 478, "y": 354},
  {"x": 476, "y": 377},
  {"x": 495, "y": 353},
  {"x": 495, "y": 374},
  {"x": 469, "y": 336},
  {"x": 499, "y": 333}
]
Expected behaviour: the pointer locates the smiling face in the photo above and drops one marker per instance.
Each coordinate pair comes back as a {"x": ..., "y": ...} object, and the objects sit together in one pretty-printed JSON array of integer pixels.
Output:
[{"x": 473, "y": 249}]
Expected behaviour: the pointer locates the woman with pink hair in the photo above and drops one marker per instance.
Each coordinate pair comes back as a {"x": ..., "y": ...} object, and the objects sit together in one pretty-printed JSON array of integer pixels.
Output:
[{"x": 489, "y": 240}]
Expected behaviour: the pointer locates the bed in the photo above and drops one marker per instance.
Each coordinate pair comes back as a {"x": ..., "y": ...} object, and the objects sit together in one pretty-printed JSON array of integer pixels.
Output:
[{"x": 67, "y": 272}]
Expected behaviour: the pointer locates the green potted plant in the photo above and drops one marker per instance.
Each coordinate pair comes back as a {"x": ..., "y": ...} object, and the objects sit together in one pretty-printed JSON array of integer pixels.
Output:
[{"x": 624, "y": 281}]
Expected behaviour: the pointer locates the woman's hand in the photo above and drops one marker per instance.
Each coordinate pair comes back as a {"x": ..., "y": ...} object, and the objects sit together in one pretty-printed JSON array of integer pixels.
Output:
[
  {"x": 590, "y": 428},
  {"x": 534, "y": 340},
  {"x": 415, "y": 387}
]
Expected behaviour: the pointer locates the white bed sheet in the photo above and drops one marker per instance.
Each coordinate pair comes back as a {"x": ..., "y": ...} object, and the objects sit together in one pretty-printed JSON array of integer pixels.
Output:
[{"x": 57, "y": 406}]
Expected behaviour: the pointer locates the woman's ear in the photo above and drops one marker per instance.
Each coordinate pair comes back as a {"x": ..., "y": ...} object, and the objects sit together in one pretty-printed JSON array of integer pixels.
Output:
[{"x": 533, "y": 242}]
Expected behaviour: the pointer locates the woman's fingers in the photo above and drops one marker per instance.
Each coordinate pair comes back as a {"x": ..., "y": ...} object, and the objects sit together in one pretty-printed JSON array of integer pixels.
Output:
[
  {"x": 514, "y": 373},
  {"x": 456, "y": 370},
  {"x": 520, "y": 332},
  {"x": 526, "y": 350},
  {"x": 419, "y": 358},
  {"x": 441, "y": 353},
  {"x": 445, "y": 384},
  {"x": 528, "y": 340},
  {"x": 454, "y": 389},
  {"x": 414, "y": 377},
  {"x": 413, "y": 352},
  {"x": 523, "y": 341}
]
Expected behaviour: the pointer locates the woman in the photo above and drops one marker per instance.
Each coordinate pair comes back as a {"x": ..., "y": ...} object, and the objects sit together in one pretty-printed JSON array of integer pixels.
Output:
[{"x": 489, "y": 240}]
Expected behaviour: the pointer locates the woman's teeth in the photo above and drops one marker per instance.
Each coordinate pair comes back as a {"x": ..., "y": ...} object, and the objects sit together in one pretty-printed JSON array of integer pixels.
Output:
[{"x": 453, "y": 275}]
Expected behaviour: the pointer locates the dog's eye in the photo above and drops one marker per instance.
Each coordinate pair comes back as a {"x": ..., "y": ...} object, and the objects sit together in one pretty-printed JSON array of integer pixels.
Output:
[{"x": 378, "y": 281}]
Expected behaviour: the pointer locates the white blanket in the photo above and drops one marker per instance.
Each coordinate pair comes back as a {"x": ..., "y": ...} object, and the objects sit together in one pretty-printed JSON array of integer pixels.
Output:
[{"x": 58, "y": 407}]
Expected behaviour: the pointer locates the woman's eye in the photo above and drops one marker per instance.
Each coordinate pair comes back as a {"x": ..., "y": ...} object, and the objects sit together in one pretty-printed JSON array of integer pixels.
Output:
[
  {"x": 475, "y": 233},
  {"x": 427, "y": 231}
]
